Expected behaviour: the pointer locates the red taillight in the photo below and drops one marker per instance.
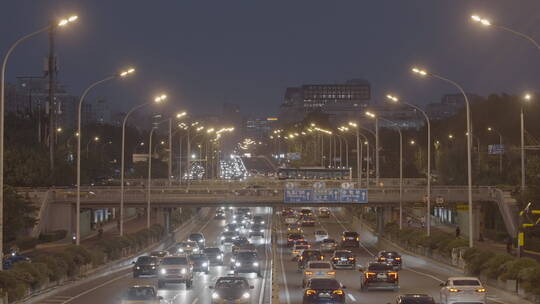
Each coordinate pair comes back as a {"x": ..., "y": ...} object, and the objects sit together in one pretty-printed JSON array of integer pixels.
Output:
[
  {"x": 351, "y": 259},
  {"x": 310, "y": 292},
  {"x": 338, "y": 292},
  {"x": 393, "y": 274},
  {"x": 370, "y": 274},
  {"x": 398, "y": 259}
]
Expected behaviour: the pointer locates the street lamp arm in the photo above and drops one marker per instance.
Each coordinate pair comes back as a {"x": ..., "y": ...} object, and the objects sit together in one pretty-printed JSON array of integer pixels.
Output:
[
  {"x": 522, "y": 35},
  {"x": 370, "y": 131}
]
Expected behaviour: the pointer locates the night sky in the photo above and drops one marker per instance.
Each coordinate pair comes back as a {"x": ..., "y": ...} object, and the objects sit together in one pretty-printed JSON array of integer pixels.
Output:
[{"x": 205, "y": 53}]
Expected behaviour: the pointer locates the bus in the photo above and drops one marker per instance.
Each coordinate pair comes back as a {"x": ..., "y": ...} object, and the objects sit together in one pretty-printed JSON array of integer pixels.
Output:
[{"x": 314, "y": 173}]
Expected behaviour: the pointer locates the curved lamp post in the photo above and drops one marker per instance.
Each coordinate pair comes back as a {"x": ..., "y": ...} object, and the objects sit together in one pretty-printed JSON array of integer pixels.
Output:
[
  {"x": 428, "y": 174},
  {"x": 158, "y": 100},
  {"x": 61, "y": 23},
  {"x": 485, "y": 22},
  {"x": 424, "y": 73}
]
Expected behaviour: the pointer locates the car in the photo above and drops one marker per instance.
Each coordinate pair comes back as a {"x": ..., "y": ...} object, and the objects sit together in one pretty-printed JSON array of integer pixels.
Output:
[
  {"x": 320, "y": 235},
  {"x": 238, "y": 242},
  {"x": 231, "y": 228},
  {"x": 220, "y": 215},
  {"x": 214, "y": 255},
  {"x": 309, "y": 255},
  {"x": 298, "y": 248},
  {"x": 245, "y": 247},
  {"x": 159, "y": 254},
  {"x": 187, "y": 247},
  {"x": 231, "y": 290},
  {"x": 328, "y": 245},
  {"x": 247, "y": 262},
  {"x": 379, "y": 275},
  {"x": 307, "y": 221},
  {"x": 197, "y": 238},
  {"x": 12, "y": 259},
  {"x": 463, "y": 290},
  {"x": 145, "y": 265},
  {"x": 306, "y": 212},
  {"x": 294, "y": 228},
  {"x": 415, "y": 298},
  {"x": 292, "y": 237},
  {"x": 244, "y": 210},
  {"x": 350, "y": 239},
  {"x": 324, "y": 212},
  {"x": 291, "y": 219},
  {"x": 390, "y": 257},
  {"x": 200, "y": 262},
  {"x": 258, "y": 220},
  {"x": 317, "y": 269},
  {"x": 256, "y": 230},
  {"x": 228, "y": 237},
  {"x": 175, "y": 269},
  {"x": 141, "y": 294},
  {"x": 287, "y": 212},
  {"x": 322, "y": 290},
  {"x": 343, "y": 259}
]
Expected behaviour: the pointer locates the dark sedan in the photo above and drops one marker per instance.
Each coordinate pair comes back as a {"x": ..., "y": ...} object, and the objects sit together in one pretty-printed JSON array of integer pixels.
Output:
[
  {"x": 231, "y": 290},
  {"x": 390, "y": 257},
  {"x": 343, "y": 259},
  {"x": 328, "y": 291},
  {"x": 214, "y": 255},
  {"x": 145, "y": 265},
  {"x": 379, "y": 276},
  {"x": 200, "y": 263}
]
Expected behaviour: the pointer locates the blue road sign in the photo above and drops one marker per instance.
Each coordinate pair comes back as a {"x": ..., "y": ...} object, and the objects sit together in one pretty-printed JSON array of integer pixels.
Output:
[{"x": 359, "y": 196}]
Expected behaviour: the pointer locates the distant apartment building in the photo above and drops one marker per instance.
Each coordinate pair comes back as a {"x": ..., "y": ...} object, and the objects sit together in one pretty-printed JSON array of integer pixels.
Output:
[
  {"x": 259, "y": 128},
  {"x": 337, "y": 100},
  {"x": 449, "y": 106}
]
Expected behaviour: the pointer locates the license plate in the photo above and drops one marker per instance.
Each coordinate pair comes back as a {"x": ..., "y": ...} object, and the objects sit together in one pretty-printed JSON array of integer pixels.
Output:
[
  {"x": 325, "y": 295},
  {"x": 390, "y": 260},
  {"x": 343, "y": 259},
  {"x": 381, "y": 276},
  {"x": 319, "y": 273}
]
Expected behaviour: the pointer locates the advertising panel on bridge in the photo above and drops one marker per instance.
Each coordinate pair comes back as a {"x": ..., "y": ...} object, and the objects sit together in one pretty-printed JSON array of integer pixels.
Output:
[{"x": 326, "y": 196}]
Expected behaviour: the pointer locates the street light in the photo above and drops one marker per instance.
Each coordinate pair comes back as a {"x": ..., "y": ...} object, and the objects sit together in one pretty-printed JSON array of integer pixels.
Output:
[
  {"x": 121, "y": 74},
  {"x": 490, "y": 129},
  {"x": 526, "y": 98},
  {"x": 395, "y": 99},
  {"x": 424, "y": 73},
  {"x": 485, "y": 22},
  {"x": 396, "y": 126},
  {"x": 358, "y": 155},
  {"x": 93, "y": 139},
  {"x": 377, "y": 175},
  {"x": 49, "y": 27},
  {"x": 158, "y": 99}
]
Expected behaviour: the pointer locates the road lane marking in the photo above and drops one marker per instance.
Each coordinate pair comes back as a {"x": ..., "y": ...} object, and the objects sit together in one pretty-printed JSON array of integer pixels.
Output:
[
  {"x": 97, "y": 287},
  {"x": 266, "y": 249},
  {"x": 351, "y": 297},
  {"x": 195, "y": 301},
  {"x": 283, "y": 273},
  {"x": 424, "y": 274}
]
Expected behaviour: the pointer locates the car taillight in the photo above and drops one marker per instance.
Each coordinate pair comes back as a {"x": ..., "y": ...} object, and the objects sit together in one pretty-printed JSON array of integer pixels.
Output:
[
  {"x": 308, "y": 272},
  {"x": 331, "y": 273},
  {"x": 343, "y": 238},
  {"x": 290, "y": 240},
  {"x": 357, "y": 239},
  {"x": 481, "y": 290},
  {"x": 335, "y": 259},
  {"x": 338, "y": 292},
  {"x": 453, "y": 290},
  {"x": 310, "y": 292},
  {"x": 370, "y": 274},
  {"x": 322, "y": 257},
  {"x": 382, "y": 259},
  {"x": 398, "y": 259},
  {"x": 351, "y": 259},
  {"x": 393, "y": 274}
]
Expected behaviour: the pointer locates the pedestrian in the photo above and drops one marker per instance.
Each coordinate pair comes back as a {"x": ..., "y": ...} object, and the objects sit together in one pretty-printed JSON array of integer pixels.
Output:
[{"x": 458, "y": 232}]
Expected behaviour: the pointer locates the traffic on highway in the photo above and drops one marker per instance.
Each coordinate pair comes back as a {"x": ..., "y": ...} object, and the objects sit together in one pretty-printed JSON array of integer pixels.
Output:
[{"x": 227, "y": 257}]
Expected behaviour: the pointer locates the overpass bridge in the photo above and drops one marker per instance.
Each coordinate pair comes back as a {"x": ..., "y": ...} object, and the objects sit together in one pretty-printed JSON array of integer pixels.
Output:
[{"x": 57, "y": 205}]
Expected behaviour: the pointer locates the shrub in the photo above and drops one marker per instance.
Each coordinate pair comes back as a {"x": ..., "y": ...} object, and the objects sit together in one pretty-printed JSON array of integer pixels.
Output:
[
  {"x": 511, "y": 269},
  {"x": 16, "y": 289},
  {"x": 446, "y": 248},
  {"x": 81, "y": 256},
  {"x": 530, "y": 278},
  {"x": 34, "y": 274},
  {"x": 494, "y": 265},
  {"x": 58, "y": 267},
  {"x": 26, "y": 242},
  {"x": 476, "y": 259}
]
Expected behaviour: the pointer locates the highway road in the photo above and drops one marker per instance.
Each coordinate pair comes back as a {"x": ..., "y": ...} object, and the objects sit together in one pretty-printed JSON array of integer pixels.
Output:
[
  {"x": 417, "y": 276},
  {"x": 110, "y": 289}
]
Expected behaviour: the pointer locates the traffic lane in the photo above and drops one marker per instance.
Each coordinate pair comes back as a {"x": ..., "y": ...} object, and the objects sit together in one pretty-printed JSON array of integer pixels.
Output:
[
  {"x": 111, "y": 291},
  {"x": 417, "y": 275}
]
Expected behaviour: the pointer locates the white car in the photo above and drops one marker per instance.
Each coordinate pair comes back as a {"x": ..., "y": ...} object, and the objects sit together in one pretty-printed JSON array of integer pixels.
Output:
[
  {"x": 141, "y": 294},
  {"x": 320, "y": 235},
  {"x": 328, "y": 245},
  {"x": 291, "y": 219},
  {"x": 318, "y": 269},
  {"x": 463, "y": 290}
]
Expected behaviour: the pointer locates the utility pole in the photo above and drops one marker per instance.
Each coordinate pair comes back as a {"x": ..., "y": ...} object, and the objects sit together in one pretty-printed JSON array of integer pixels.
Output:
[{"x": 52, "y": 103}]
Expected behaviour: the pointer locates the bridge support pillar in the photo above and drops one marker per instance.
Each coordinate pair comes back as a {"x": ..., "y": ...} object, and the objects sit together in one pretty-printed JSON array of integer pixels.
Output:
[
  {"x": 163, "y": 217},
  {"x": 384, "y": 216}
]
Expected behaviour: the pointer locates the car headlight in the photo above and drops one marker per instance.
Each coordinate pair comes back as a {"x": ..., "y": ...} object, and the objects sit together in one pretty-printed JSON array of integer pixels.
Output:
[
  {"x": 204, "y": 264},
  {"x": 262, "y": 230},
  {"x": 200, "y": 241},
  {"x": 196, "y": 249},
  {"x": 163, "y": 271},
  {"x": 256, "y": 264},
  {"x": 262, "y": 222},
  {"x": 245, "y": 295},
  {"x": 137, "y": 267},
  {"x": 238, "y": 264},
  {"x": 183, "y": 271},
  {"x": 220, "y": 256},
  {"x": 250, "y": 230},
  {"x": 222, "y": 237},
  {"x": 215, "y": 296},
  {"x": 233, "y": 259}
]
